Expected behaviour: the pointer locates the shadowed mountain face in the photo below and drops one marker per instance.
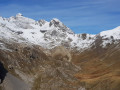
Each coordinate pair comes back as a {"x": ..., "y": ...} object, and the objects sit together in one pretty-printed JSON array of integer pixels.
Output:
[{"x": 3, "y": 72}]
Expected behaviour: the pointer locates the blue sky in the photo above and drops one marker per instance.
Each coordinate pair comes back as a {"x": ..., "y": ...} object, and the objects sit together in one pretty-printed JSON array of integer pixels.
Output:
[{"x": 82, "y": 16}]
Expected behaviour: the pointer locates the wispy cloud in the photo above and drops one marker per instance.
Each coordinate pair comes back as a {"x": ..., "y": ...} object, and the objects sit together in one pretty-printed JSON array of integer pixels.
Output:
[{"x": 92, "y": 15}]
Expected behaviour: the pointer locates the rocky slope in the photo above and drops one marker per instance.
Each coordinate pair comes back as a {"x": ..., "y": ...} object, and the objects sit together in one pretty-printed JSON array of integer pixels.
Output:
[
  {"x": 41, "y": 72},
  {"x": 50, "y": 56}
]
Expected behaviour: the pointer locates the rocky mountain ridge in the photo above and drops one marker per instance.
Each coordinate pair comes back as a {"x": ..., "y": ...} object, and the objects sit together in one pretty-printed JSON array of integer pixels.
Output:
[
  {"x": 50, "y": 56},
  {"x": 46, "y": 34},
  {"x": 51, "y": 34}
]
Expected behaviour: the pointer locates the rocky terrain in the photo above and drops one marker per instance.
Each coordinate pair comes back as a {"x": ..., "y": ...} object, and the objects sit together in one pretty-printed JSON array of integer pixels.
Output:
[{"x": 42, "y": 55}]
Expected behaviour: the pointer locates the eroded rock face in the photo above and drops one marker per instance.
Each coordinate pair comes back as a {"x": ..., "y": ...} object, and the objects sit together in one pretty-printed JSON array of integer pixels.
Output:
[
  {"x": 60, "y": 53},
  {"x": 41, "y": 71},
  {"x": 59, "y": 75}
]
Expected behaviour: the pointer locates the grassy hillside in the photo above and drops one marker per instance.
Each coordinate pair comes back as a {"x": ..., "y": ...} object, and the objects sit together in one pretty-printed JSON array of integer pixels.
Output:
[{"x": 100, "y": 68}]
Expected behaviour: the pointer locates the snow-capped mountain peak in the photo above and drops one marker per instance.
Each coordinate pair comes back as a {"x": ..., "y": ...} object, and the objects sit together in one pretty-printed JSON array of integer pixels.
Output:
[
  {"x": 50, "y": 34},
  {"x": 115, "y": 33},
  {"x": 19, "y": 15},
  {"x": 43, "y": 33},
  {"x": 56, "y": 22},
  {"x": 117, "y": 28}
]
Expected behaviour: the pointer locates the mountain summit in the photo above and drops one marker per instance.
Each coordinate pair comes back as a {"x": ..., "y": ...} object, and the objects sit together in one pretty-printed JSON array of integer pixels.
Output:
[
  {"x": 51, "y": 34},
  {"x": 19, "y": 15},
  {"x": 44, "y": 33}
]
